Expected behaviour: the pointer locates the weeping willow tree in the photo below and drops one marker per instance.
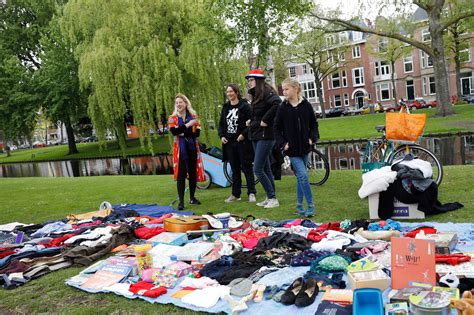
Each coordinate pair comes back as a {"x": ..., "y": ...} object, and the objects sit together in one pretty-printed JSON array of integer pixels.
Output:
[{"x": 135, "y": 56}]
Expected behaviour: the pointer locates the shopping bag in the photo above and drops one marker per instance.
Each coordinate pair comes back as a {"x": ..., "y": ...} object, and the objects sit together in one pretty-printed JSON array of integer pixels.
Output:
[{"x": 404, "y": 126}]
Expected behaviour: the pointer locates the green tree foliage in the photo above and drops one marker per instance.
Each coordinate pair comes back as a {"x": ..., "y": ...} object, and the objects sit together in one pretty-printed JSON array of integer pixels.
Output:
[
  {"x": 58, "y": 82},
  {"x": 259, "y": 25},
  {"x": 323, "y": 55},
  {"x": 135, "y": 56}
]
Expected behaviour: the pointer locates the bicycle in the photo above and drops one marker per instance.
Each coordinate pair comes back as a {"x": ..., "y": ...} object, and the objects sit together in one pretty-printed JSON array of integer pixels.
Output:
[
  {"x": 318, "y": 168},
  {"x": 381, "y": 152}
]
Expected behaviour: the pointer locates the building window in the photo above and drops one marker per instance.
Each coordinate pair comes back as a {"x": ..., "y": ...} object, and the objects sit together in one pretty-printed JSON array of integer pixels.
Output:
[
  {"x": 467, "y": 86},
  {"x": 337, "y": 100},
  {"x": 429, "y": 86},
  {"x": 292, "y": 71},
  {"x": 384, "y": 90},
  {"x": 356, "y": 51},
  {"x": 343, "y": 163},
  {"x": 330, "y": 102},
  {"x": 330, "y": 57},
  {"x": 408, "y": 63},
  {"x": 356, "y": 36},
  {"x": 343, "y": 37},
  {"x": 329, "y": 82},
  {"x": 425, "y": 35},
  {"x": 336, "y": 82},
  {"x": 305, "y": 69},
  {"x": 465, "y": 55},
  {"x": 382, "y": 68},
  {"x": 410, "y": 90},
  {"x": 344, "y": 78},
  {"x": 346, "y": 99},
  {"x": 309, "y": 90},
  {"x": 383, "y": 44},
  {"x": 426, "y": 60},
  {"x": 352, "y": 163},
  {"x": 358, "y": 76},
  {"x": 341, "y": 148},
  {"x": 342, "y": 56},
  {"x": 330, "y": 40}
]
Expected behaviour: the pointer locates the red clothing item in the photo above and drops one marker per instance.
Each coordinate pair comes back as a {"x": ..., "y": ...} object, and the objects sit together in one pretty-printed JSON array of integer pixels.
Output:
[
  {"x": 453, "y": 259},
  {"x": 249, "y": 238},
  {"x": 329, "y": 226},
  {"x": 293, "y": 223},
  {"x": 427, "y": 230},
  {"x": 6, "y": 253},
  {"x": 58, "y": 241},
  {"x": 146, "y": 233},
  {"x": 147, "y": 289},
  {"x": 315, "y": 236},
  {"x": 78, "y": 226}
]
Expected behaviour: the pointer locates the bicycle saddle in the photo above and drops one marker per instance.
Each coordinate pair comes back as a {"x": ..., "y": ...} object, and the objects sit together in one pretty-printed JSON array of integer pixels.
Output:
[{"x": 380, "y": 128}]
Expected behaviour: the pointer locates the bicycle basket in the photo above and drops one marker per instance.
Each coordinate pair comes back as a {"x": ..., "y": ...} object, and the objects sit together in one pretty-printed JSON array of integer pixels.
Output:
[{"x": 372, "y": 161}]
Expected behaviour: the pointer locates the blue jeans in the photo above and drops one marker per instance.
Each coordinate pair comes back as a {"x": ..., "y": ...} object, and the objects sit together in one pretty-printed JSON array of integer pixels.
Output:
[
  {"x": 303, "y": 188},
  {"x": 262, "y": 165}
]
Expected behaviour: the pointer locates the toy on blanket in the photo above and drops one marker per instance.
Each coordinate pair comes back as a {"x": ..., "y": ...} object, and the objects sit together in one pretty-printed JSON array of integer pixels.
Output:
[{"x": 465, "y": 306}]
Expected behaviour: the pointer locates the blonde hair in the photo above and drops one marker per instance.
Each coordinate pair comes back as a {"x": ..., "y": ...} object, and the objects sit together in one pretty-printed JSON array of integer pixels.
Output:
[
  {"x": 189, "y": 107},
  {"x": 293, "y": 83}
]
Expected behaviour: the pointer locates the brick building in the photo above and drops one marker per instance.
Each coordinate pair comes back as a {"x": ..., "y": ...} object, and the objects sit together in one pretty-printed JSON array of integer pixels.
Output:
[{"x": 365, "y": 79}]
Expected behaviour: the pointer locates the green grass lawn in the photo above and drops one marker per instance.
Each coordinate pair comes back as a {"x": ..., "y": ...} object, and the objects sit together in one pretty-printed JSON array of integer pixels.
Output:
[
  {"x": 33, "y": 200},
  {"x": 352, "y": 127}
]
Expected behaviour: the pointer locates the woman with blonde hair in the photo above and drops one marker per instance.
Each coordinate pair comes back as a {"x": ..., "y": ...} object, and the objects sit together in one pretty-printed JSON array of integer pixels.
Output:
[
  {"x": 296, "y": 130},
  {"x": 185, "y": 127}
]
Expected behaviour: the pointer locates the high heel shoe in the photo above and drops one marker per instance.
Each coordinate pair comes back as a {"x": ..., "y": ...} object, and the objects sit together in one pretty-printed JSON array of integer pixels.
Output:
[
  {"x": 293, "y": 290},
  {"x": 308, "y": 293}
]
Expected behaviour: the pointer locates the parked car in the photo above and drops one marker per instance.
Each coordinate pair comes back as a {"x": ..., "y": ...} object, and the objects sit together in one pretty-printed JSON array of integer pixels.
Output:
[
  {"x": 417, "y": 103},
  {"x": 377, "y": 108},
  {"x": 354, "y": 111},
  {"x": 336, "y": 112},
  {"x": 468, "y": 98},
  {"x": 430, "y": 104}
]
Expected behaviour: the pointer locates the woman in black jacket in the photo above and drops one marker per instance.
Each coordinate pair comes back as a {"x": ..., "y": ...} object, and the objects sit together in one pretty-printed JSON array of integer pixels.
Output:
[
  {"x": 296, "y": 129},
  {"x": 265, "y": 101},
  {"x": 236, "y": 149}
]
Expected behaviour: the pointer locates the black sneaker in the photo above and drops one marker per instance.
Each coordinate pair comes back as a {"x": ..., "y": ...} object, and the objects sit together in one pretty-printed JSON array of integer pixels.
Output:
[
  {"x": 194, "y": 201},
  {"x": 181, "y": 205}
]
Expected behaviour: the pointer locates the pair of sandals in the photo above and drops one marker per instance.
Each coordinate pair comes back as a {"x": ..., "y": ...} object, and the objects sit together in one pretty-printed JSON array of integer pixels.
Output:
[{"x": 301, "y": 293}]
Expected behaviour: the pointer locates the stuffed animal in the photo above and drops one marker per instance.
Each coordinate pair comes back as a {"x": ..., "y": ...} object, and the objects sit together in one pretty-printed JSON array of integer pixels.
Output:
[{"x": 465, "y": 305}]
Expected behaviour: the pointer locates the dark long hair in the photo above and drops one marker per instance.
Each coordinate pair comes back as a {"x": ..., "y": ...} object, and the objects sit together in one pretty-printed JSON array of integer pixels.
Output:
[
  {"x": 261, "y": 88},
  {"x": 236, "y": 89}
]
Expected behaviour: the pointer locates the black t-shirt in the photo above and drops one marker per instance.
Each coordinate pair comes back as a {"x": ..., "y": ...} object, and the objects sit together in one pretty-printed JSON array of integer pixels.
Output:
[{"x": 232, "y": 122}]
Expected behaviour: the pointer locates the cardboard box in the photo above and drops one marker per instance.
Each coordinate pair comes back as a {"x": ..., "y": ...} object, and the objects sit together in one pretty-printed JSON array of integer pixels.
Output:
[
  {"x": 169, "y": 238},
  {"x": 369, "y": 279},
  {"x": 445, "y": 241},
  {"x": 400, "y": 211}
]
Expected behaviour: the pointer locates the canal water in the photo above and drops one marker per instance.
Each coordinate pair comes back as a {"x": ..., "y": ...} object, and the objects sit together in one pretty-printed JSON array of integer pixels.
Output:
[{"x": 453, "y": 150}]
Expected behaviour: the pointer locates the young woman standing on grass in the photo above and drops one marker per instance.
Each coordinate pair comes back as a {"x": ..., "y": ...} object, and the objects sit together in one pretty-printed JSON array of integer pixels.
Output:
[
  {"x": 185, "y": 127},
  {"x": 265, "y": 101},
  {"x": 236, "y": 148},
  {"x": 296, "y": 130}
]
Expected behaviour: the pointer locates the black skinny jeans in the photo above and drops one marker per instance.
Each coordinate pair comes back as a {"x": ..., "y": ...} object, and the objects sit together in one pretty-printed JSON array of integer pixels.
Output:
[
  {"x": 187, "y": 167},
  {"x": 236, "y": 152}
]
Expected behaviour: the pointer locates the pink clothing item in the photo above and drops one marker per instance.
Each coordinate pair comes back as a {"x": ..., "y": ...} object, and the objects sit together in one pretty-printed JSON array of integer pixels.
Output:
[
  {"x": 293, "y": 223},
  {"x": 78, "y": 226},
  {"x": 160, "y": 219},
  {"x": 249, "y": 238}
]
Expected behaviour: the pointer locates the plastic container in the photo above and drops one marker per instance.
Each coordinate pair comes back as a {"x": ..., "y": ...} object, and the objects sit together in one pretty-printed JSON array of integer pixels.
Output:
[
  {"x": 224, "y": 218},
  {"x": 430, "y": 303},
  {"x": 367, "y": 301},
  {"x": 144, "y": 259}
]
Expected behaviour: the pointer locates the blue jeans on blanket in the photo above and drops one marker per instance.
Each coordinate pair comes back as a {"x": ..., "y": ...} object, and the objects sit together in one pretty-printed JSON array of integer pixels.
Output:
[
  {"x": 262, "y": 165},
  {"x": 303, "y": 188}
]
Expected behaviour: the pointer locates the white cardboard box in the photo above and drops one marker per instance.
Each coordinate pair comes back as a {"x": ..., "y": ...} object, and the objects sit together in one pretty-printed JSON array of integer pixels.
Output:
[{"x": 400, "y": 210}]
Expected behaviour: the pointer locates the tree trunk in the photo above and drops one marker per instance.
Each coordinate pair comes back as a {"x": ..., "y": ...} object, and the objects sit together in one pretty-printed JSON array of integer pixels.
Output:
[
  {"x": 71, "y": 141},
  {"x": 444, "y": 107},
  {"x": 457, "y": 64},
  {"x": 319, "y": 90},
  {"x": 394, "y": 87}
]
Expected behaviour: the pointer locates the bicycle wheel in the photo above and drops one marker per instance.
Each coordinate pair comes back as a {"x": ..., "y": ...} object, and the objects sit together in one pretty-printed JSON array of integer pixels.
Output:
[
  {"x": 318, "y": 168},
  {"x": 422, "y": 154},
  {"x": 228, "y": 175},
  {"x": 206, "y": 184}
]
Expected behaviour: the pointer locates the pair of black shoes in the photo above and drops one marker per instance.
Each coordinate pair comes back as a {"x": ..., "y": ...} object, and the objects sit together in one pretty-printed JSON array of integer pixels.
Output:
[
  {"x": 193, "y": 201},
  {"x": 301, "y": 293}
]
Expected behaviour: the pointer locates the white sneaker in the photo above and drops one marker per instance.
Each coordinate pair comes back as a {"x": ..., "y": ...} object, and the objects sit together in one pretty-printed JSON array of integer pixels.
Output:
[
  {"x": 272, "y": 203},
  {"x": 252, "y": 198},
  {"x": 232, "y": 198},
  {"x": 263, "y": 203}
]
